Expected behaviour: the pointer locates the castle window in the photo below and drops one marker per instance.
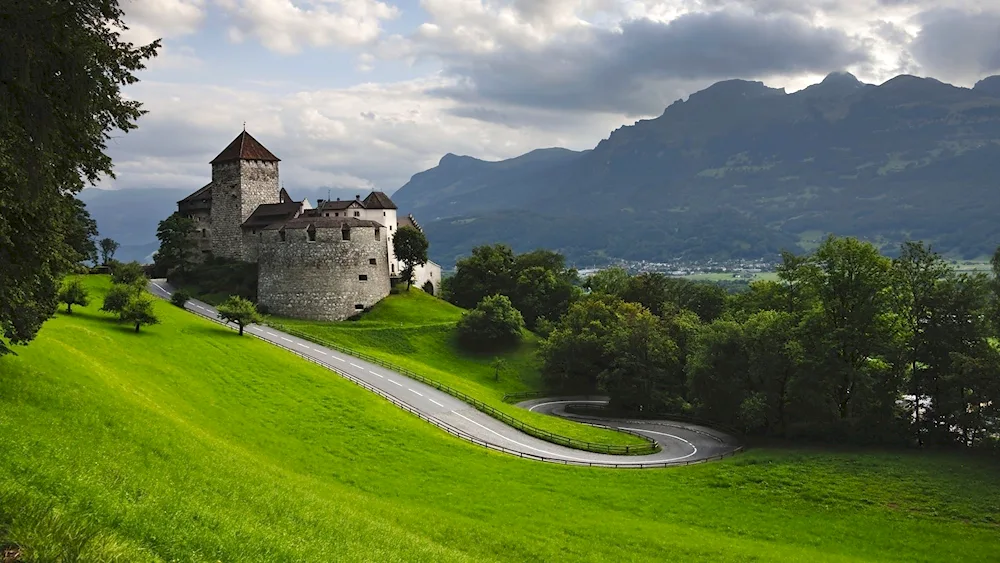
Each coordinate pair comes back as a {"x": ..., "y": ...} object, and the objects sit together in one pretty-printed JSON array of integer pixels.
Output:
[
  {"x": 383, "y": 213},
  {"x": 327, "y": 215},
  {"x": 345, "y": 233},
  {"x": 357, "y": 214},
  {"x": 203, "y": 233},
  {"x": 359, "y": 307},
  {"x": 281, "y": 234},
  {"x": 392, "y": 268},
  {"x": 372, "y": 261},
  {"x": 336, "y": 214},
  {"x": 377, "y": 235},
  {"x": 362, "y": 277},
  {"x": 311, "y": 233}
]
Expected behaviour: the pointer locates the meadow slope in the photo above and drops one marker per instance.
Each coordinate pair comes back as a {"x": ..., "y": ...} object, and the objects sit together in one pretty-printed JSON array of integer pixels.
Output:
[{"x": 186, "y": 442}]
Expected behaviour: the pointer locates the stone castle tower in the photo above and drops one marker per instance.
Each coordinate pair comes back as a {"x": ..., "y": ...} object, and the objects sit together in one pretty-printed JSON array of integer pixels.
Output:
[{"x": 244, "y": 177}]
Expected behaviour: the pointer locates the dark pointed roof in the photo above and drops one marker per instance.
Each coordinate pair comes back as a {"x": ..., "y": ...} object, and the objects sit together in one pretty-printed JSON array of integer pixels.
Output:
[
  {"x": 339, "y": 204},
  {"x": 378, "y": 200},
  {"x": 245, "y": 147},
  {"x": 270, "y": 213},
  {"x": 202, "y": 193}
]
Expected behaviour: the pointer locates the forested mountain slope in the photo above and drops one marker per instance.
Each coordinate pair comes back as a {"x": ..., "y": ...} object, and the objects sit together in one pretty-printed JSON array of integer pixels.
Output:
[{"x": 741, "y": 169}]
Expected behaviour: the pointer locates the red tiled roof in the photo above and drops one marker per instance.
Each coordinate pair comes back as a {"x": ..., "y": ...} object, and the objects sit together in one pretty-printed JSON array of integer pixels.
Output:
[{"x": 245, "y": 147}]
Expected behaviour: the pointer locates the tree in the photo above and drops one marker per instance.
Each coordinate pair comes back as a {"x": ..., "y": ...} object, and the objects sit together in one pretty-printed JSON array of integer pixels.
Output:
[
  {"x": 177, "y": 246},
  {"x": 917, "y": 272},
  {"x": 610, "y": 281},
  {"x": 575, "y": 352},
  {"x": 118, "y": 297},
  {"x": 540, "y": 293},
  {"x": 60, "y": 98},
  {"x": 240, "y": 311},
  {"x": 410, "y": 246},
  {"x": 488, "y": 271},
  {"x": 644, "y": 373},
  {"x": 499, "y": 364},
  {"x": 130, "y": 273},
  {"x": 139, "y": 311},
  {"x": 493, "y": 324},
  {"x": 108, "y": 248},
  {"x": 80, "y": 232},
  {"x": 73, "y": 293}
]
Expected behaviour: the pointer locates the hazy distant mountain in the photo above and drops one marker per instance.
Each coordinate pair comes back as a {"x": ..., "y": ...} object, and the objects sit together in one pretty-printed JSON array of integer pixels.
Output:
[{"x": 740, "y": 169}]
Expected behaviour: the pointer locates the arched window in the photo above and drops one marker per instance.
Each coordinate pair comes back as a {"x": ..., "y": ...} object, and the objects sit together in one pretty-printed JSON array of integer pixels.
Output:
[{"x": 311, "y": 233}]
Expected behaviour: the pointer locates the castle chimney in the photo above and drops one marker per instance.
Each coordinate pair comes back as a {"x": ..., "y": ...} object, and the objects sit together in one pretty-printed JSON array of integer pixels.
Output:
[{"x": 357, "y": 197}]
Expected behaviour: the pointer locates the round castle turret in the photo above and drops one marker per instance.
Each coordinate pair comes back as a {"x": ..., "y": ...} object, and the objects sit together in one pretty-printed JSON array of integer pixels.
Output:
[{"x": 322, "y": 268}]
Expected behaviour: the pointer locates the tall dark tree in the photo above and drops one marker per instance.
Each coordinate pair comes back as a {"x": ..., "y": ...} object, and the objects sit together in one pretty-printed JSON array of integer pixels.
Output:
[
  {"x": 80, "y": 233},
  {"x": 410, "y": 246},
  {"x": 108, "y": 248},
  {"x": 488, "y": 271},
  {"x": 177, "y": 246},
  {"x": 918, "y": 272},
  {"x": 63, "y": 67}
]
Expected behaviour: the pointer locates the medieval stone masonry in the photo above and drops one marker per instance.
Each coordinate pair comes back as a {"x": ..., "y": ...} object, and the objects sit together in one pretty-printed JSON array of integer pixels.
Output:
[{"x": 327, "y": 262}]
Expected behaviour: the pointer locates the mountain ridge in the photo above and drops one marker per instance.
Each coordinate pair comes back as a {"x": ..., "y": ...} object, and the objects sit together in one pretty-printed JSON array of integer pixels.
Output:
[{"x": 741, "y": 169}]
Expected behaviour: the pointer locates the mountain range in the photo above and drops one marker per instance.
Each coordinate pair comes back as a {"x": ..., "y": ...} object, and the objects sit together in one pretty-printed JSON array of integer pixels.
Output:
[
  {"x": 738, "y": 170},
  {"x": 741, "y": 170}
]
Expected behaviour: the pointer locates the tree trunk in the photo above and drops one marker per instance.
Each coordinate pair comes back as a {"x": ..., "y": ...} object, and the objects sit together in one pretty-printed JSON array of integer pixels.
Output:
[
  {"x": 916, "y": 403},
  {"x": 241, "y": 329},
  {"x": 137, "y": 327},
  {"x": 69, "y": 308}
]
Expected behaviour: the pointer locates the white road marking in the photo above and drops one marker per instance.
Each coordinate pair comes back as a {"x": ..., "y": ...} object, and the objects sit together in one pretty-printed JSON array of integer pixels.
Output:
[
  {"x": 548, "y": 453},
  {"x": 435, "y": 402},
  {"x": 693, "y": 447},
  {"x": 375, "y": 374},
  {"x": 396, "y": 383},
  {"x": 357, "y": 366},
  {"x": 418, "y": 393},
  {"x": 338, "y": 359},
  {"x": 286, "y": 339},
  {"x": 200, "y": 307},
  {"x": 272, "y": 334},
  {"x": 301, "y": 344},
  {"x": 320, "y": 351}
]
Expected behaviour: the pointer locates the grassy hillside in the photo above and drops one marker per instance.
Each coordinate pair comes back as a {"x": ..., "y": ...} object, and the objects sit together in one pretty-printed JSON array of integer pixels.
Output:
[
  {"x": 417, "y": 331},
  {"x": 188, "y": 443}
]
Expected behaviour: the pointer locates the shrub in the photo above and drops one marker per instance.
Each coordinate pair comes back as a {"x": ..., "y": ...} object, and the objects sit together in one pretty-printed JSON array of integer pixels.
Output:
[
  {"x": 129, "y": 274},
  {"x": 180, "y": 297},
  {"x": 493, "y": 324},
  {"x": 240, "y": 311}
]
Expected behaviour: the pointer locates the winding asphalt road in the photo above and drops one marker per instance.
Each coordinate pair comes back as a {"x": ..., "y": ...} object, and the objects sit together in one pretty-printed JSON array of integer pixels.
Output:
[{"x": 681, "y": 443}]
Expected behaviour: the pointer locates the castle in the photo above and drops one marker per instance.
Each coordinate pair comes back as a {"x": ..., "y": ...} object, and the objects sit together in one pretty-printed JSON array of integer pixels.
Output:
[{"x": 326, "y": 262}]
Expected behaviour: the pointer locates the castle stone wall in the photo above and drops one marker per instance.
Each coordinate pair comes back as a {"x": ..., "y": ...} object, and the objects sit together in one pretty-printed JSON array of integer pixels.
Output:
[
  {"x": 319, "y": 280},
  {"x": 238, "y": 188}
]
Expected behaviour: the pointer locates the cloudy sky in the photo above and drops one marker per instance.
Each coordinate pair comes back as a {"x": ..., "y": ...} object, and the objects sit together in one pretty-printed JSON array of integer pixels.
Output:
[{"x": 361, "y": 94}]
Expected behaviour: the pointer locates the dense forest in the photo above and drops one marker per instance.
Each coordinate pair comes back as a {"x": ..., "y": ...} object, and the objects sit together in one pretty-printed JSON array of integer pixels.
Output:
[{"x": 848, "y": 345}]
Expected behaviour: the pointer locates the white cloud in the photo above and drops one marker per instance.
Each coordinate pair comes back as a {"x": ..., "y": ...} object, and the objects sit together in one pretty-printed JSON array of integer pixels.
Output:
[
  {"x": 287, "y": 26},
  {"x": 371, "y": 135},
  {"x": 149, "y": 20}
]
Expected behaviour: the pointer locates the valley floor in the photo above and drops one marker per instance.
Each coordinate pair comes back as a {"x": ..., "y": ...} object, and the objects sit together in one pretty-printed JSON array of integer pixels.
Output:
[{"x": 186, "y": 442}]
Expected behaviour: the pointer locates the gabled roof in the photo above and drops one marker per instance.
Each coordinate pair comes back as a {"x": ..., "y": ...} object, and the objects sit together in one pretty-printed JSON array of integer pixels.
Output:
[
  {"x": 378, "y": 200},
  {"x": 245, "y": 147},
  {"x": 202, "y": 193},
  {"x": 339, "y": 204},
  {"x": 406, "y": 222},
  {"x": 270, "y": 213}
]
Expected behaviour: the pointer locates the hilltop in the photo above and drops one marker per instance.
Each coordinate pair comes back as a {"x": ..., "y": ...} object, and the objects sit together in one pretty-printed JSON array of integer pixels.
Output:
[
  {"x": 741, "y": 170},
  {"x": 199, "y": 445}
]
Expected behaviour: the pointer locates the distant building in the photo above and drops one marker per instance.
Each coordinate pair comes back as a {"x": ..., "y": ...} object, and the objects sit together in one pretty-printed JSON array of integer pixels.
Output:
[{"x": 325, "y": 262}]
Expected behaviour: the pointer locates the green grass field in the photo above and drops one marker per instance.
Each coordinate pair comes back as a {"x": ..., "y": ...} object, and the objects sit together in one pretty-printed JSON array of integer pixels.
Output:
[
  {"x": 417, "y": 331},
  {"x": 186, "y": 442}
]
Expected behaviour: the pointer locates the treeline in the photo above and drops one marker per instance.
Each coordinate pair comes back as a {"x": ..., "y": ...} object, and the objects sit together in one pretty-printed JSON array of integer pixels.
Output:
[{"x": 848, "y": 345}]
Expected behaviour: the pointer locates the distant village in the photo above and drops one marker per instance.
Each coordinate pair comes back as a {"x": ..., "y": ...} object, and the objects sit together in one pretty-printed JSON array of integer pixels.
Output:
[{"x": 747, "y": 269}]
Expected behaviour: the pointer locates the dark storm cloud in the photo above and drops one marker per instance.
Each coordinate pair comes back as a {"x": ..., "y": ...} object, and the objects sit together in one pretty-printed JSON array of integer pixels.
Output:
[
  {"x": 629, "y": 70},
  {"x": 958, "y": 45}
]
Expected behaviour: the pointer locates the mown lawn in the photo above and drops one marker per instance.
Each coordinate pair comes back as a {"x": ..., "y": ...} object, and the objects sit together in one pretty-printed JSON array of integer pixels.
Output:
[
  {"x": 188, "y": 443},
  {"x": 417, "y": 331}
]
